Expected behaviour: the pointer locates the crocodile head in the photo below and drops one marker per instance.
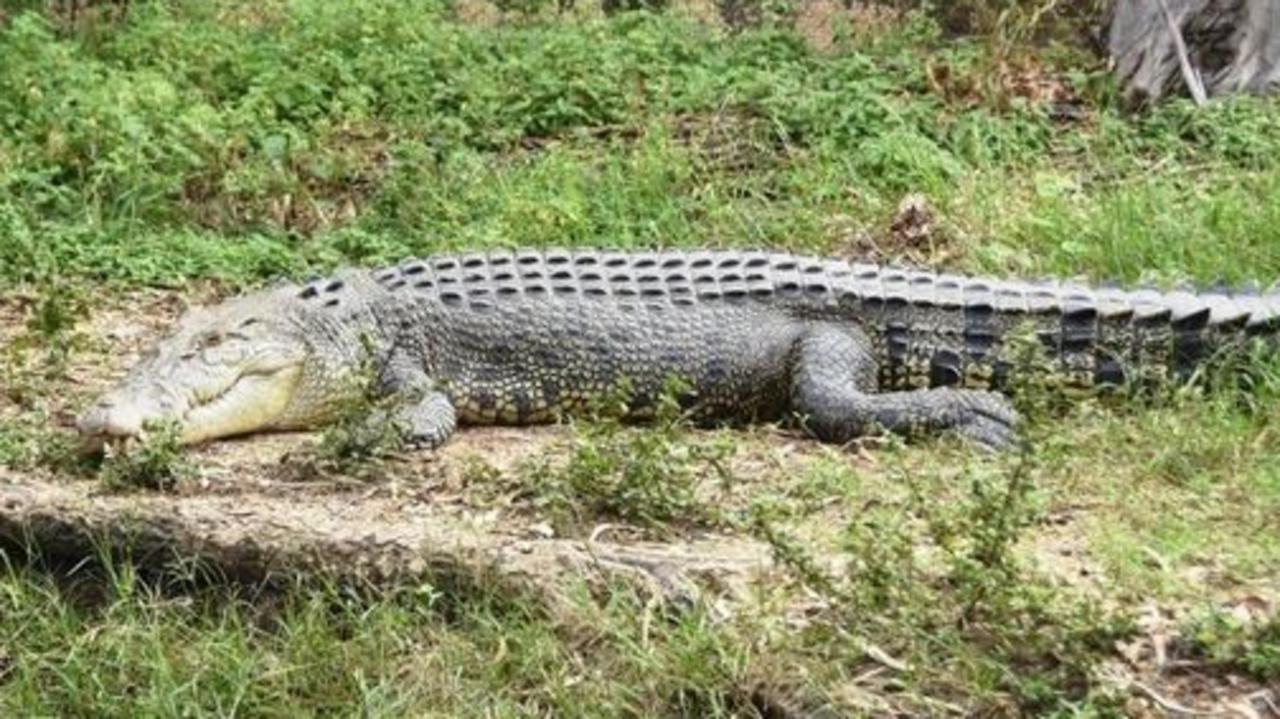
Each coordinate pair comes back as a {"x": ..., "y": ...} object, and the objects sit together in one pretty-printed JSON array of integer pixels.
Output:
[{"x": 226, "y": 370}]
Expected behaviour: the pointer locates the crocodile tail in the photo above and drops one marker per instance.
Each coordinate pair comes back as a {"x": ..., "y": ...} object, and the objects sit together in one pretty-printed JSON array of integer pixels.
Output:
[
  {"x": 950, "y": 330},
  {"x": 1110, "y": 335},
  {"x": 1172, "y": 334}
]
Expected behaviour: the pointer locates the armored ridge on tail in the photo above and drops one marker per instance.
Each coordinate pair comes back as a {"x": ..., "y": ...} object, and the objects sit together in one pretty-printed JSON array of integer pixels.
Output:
[
  {"x": 845, "y": 349},
  {"x": 948, "y": 330}
]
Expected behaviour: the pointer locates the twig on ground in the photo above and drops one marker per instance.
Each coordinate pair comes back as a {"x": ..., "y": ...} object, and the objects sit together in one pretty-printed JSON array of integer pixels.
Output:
[
  {"x": 1170, "y": 705},
  {"x": 883, "y": 657}
]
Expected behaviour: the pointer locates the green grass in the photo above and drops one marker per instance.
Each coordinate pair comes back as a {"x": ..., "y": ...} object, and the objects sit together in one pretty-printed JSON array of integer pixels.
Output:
[
  {"x": 136, "y": 652},
  {"x": 239, "y": 141},
  {"x": 183, "y": 145},
  {"x": 649, "y": 479},
  {"x": 935, "y": 581},
  {"x": 1252, "y": 647}
]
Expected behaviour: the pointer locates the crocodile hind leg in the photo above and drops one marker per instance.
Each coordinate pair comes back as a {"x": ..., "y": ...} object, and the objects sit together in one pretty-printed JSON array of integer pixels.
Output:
[{"x": 833, "y": 389}]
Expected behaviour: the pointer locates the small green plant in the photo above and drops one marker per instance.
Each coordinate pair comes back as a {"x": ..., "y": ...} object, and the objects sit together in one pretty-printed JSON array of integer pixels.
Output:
[
  {"x": 364, "y": 430},
  {"x": 40, "y": 354},
  {"x": 651, "y": 477},
  {"x": 30, "y": 367},
  {"x": 1227, "y": 642},
  {"x": 20, "y": 384},
  {"x": 936, "y": 583},
  {"x": 30, "y": 441},
  {"x": 1039, "y": 388},
  {"x": 58, "y": 310},
  {"x": 790, "y": 552},
  {"x": 828, "y": 481},
  {"x": 156, "y": 463}
]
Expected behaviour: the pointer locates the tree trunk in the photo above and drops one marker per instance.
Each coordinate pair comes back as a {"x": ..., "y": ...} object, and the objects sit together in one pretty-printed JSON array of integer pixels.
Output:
[{"x": 1233, "y": 46}]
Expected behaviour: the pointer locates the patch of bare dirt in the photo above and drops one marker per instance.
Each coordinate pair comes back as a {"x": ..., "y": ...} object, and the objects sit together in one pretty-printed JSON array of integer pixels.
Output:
[
  {"x": 13, "y": 314},
  {"x": 375, "y": 536},
  {"x": 477, "y": 12},
  {"x": 85, "y": 15},
  {"x": 253, "y": 13},
  {"x": 1156, "y": 668},
  {"x": 914, "y": 235},
  {"x": 1060, "y": 550},
  {"x": 1004, "y": 80},
  {"x": 822, "y": 21},
  {"x": 118, "y": 328}
]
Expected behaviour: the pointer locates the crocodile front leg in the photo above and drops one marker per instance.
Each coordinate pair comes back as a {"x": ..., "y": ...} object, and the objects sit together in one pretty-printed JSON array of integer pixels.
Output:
[
  {"x": 426, "y": 414},
  {"x": 833, "y": 389}
]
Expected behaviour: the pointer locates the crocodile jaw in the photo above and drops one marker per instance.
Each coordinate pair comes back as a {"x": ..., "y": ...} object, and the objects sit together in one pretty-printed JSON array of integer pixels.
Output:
[{"x": 254, "y": 402}]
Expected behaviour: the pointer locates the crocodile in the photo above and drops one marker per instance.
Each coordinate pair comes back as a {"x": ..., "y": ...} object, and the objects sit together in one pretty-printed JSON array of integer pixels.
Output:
[{"x": 843, "y": 350}]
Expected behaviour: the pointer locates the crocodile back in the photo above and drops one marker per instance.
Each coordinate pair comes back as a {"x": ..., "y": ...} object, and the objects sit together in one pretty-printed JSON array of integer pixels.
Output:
[{"x": 928, "y": 328}]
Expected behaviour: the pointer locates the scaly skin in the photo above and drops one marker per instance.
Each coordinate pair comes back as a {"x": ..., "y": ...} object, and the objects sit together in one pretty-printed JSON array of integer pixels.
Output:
[{"x": 845, "y": 350}]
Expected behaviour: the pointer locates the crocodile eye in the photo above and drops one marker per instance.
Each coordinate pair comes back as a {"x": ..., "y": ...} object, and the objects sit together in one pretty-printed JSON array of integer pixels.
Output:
[{"x": 208, "y": 341}]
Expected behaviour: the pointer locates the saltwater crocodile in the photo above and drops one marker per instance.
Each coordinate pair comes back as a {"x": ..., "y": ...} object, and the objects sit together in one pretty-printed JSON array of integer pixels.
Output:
[{"x": 842, "y": 349}]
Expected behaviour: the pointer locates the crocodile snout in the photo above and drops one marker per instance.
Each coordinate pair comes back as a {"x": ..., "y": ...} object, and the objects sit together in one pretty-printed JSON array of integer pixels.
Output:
[
  {"x": 116, "y": 418},
  {"x": 109, "y": 419}
]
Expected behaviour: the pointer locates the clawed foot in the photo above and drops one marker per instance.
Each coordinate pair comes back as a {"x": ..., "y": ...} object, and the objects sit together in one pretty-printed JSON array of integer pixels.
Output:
[
  {"x": 413, "y": 436},
  {"x": 422, "y": 422},
  {"x": 987, "y": 418},
  {"x": 416, "y": 440}
]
